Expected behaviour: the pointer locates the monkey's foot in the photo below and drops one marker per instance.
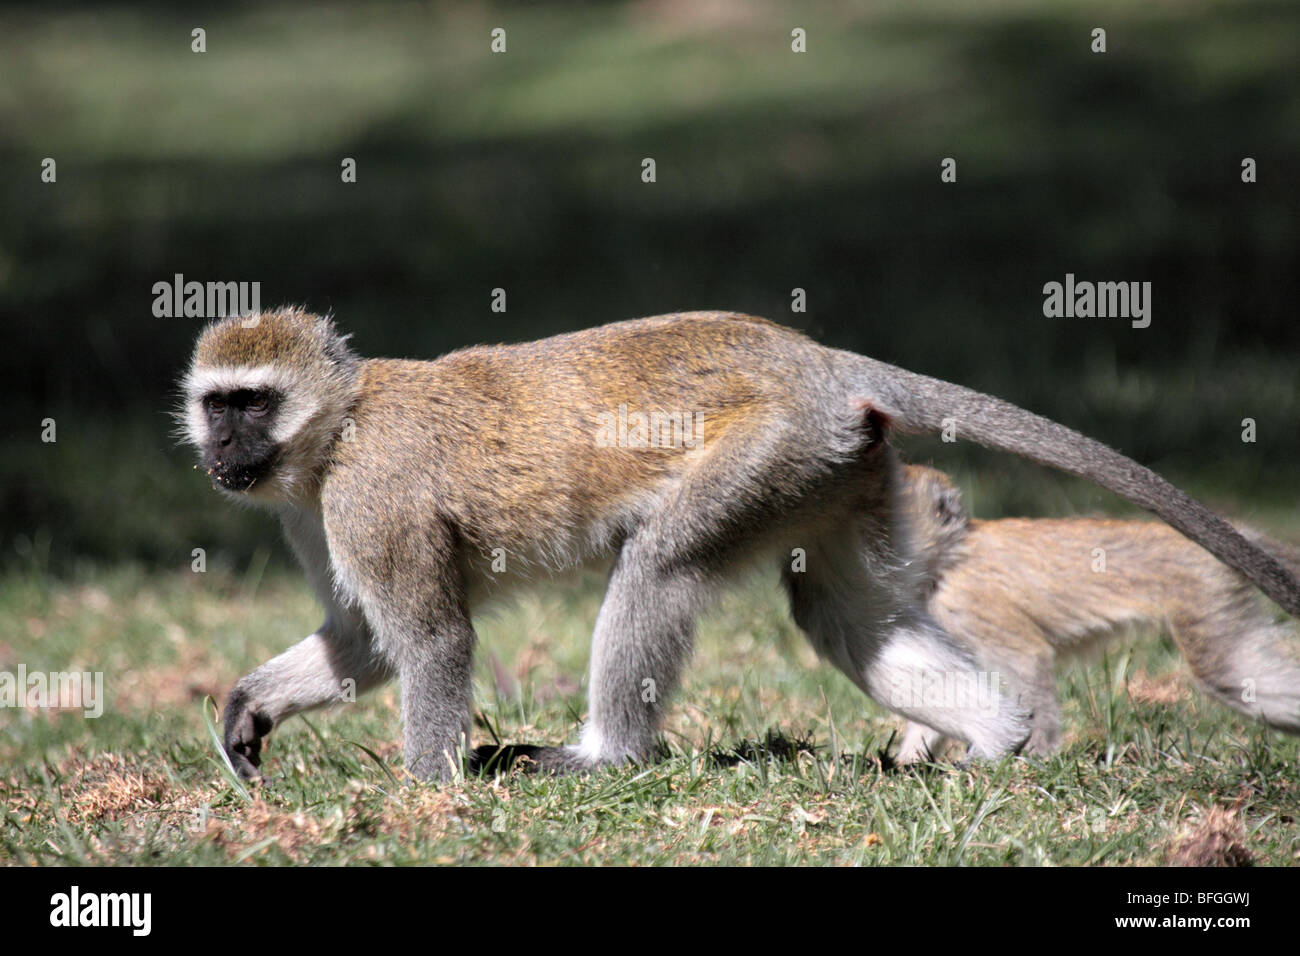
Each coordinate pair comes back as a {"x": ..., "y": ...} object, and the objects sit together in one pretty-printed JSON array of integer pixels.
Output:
[
  {"x": 527, "y": 758},
  {"x": 245, "y": 728}
]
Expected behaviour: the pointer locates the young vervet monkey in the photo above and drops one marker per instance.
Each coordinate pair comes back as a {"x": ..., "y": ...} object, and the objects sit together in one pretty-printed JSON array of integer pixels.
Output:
[
  {"x": 402, "y": 484},
  {"x": 1021, "y": 593}
]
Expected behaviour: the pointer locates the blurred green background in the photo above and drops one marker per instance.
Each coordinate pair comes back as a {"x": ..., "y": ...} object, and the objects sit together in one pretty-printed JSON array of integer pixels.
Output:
[{"x": 775, "y": 170}]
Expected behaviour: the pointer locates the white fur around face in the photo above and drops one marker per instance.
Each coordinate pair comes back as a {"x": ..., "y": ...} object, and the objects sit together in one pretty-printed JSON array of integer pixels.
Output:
[
  {"x": 298, "y": 418},
  {"x": 294, "y": 411}
]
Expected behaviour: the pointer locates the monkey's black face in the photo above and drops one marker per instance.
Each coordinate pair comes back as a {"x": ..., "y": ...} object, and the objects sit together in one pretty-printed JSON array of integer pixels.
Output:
[{"x": 239, "y": 450}]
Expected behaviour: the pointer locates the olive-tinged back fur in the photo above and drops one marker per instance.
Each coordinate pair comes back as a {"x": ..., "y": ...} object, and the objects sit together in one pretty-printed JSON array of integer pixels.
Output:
[
  {"x": 402, "y": 485},
  {"x": 504, "y": 438}
]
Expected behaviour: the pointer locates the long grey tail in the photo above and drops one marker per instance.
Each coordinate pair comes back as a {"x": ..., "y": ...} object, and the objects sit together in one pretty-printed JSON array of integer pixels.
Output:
[
  {"x": 1288, "y": 555},
  {"x": 920, "y": 403}
]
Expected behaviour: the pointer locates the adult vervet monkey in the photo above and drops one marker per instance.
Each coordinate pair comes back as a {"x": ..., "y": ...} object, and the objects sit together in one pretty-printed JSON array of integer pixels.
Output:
[
  {"x": 396, "y": 481},
  {"x": 1019, "y": 594}
]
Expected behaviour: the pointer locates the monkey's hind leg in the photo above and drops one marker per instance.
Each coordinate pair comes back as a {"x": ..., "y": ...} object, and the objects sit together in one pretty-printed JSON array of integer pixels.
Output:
[
  {"x": 1246, "y": 662},
  {"x": 849, "y": 603},
  {"x": 721, "y": 512},
  {"x": 643, "y": 636},
  {"x": 1029, "y": 677},
  {"x": 920, "y": 744}
]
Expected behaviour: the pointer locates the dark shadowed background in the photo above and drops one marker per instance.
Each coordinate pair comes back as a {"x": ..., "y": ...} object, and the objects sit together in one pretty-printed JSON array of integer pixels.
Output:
[{"x": 775, "y": 170}]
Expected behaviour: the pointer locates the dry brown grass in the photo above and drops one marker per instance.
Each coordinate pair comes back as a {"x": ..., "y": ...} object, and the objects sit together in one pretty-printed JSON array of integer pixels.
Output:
[
  {"x": 1216, "y": 838},
  {"x": 1165, "y": 689}
]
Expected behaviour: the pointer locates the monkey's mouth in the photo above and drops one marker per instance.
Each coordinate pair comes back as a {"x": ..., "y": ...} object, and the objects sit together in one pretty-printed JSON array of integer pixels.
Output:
[{"x": 235, "y": 475}]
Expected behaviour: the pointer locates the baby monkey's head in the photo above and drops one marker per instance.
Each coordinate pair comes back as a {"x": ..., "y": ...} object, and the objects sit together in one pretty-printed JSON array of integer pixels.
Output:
[{"x": 938, "y": 518}]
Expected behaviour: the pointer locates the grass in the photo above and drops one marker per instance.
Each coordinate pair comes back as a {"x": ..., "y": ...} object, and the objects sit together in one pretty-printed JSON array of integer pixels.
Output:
[{"x": 1151, "y": 772}]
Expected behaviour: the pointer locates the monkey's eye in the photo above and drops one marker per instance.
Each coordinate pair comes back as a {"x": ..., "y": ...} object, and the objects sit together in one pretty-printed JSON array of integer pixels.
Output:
[
  {"x": 216, "y": 405},
  {"x": 257, "y": 404}
]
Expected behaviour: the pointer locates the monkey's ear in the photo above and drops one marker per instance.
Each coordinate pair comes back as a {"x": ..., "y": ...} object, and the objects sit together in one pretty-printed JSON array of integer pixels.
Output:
[
  {"x": 951, "y": 508},
  {"x": 876, "y": 421}
]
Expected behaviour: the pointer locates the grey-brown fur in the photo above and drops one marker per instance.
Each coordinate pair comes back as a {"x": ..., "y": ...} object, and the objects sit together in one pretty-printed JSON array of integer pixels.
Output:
[
  {"x": 1019, "y": 594},
  {"x": 398, "y": 481}
]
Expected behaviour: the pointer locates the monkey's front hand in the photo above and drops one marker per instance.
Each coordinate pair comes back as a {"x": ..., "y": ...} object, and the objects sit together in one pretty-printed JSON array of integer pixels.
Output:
[{"x": 245, "y": 728}]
